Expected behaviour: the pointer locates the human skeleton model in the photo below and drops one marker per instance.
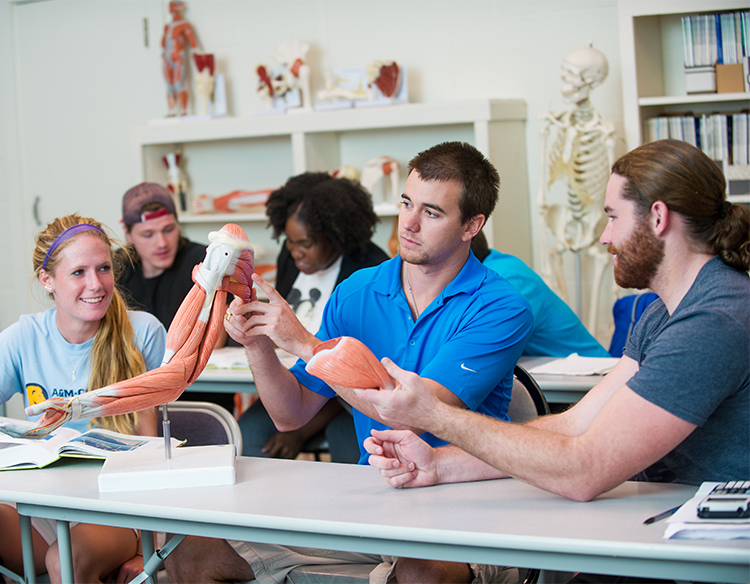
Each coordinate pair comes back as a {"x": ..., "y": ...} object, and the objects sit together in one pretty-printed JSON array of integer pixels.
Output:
[
  {"x": 178, "y": 34},
  {"x": 295, "y": 73},
  {"x": 582, "y": 153},
  {"x": 192, "y": 335}
]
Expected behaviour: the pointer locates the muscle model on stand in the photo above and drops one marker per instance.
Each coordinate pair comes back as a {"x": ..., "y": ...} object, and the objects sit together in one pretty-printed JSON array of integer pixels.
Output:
[
  {"x": 204, "y": 82},
  {"x": 294, "y": 73},
  {"x": 581, "y": 154},
  {"x": 178, "y": 34},
  {"x": 228, "y": 267},
  {"x": 177, "y": 181}
]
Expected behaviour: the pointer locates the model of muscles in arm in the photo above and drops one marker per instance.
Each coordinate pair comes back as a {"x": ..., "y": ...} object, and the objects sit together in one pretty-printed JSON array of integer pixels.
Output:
[{"x": 228, "y": 267}]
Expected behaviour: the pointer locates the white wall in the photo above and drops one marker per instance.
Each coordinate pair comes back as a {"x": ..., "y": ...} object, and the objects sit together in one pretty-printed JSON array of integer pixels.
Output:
[{"x": 83, "y": 77}]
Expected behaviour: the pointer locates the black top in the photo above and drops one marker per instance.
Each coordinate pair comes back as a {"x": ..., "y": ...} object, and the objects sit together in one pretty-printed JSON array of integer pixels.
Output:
[
  {"x": 287, "y": 272},
  {"x": 163, "y": 295}
]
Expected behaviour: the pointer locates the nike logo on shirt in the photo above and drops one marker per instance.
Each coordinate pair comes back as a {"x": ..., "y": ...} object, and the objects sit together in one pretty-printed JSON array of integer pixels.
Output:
[{"x": 463, "y": 366}]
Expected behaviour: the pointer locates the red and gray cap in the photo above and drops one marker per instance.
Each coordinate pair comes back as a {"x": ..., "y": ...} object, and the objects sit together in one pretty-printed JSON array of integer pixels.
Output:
[{"x": 140, "y": 196}]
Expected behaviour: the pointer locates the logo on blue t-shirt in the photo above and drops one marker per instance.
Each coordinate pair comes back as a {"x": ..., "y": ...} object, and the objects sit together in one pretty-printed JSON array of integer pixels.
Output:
[
  {"x": 36, "y": 394},
  {"x": 67, "y": 393}
]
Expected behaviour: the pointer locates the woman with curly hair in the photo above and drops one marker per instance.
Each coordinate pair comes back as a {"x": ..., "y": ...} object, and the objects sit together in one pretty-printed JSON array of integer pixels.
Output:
[{"x": 328, "y": 224}]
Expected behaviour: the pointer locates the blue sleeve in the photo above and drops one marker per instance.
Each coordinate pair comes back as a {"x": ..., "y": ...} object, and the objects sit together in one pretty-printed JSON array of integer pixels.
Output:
[{"x": 10, "y": 366}]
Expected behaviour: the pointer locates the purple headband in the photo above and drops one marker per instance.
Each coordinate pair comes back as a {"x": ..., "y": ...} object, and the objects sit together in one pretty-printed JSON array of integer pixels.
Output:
[{"x": 66, "y": 235}]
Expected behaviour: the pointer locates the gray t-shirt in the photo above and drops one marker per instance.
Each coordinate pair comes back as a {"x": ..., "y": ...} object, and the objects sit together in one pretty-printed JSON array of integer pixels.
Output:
[{"x": 695, "y": 364}]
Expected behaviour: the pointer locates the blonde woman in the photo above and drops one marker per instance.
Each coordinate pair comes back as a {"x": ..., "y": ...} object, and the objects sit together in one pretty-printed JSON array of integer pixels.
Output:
[{"x": 87, "y": 340}]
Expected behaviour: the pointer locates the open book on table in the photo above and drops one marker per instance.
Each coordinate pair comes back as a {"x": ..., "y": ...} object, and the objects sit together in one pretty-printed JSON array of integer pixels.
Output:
[{"x": 17, "y": 453}]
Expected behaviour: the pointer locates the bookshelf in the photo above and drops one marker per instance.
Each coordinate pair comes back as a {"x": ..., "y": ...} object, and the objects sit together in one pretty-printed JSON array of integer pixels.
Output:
[
  {"x": 261, "y": 152},
  {"x": 653, "y": 78}
]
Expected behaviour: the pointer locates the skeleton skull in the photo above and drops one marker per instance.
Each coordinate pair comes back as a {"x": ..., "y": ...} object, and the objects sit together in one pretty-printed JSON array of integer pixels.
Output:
[{"x": 582, "y": 70}]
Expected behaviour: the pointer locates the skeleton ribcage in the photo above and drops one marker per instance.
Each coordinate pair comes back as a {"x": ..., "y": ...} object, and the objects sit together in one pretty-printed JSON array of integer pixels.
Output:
[{"x": 584, "y": 162}]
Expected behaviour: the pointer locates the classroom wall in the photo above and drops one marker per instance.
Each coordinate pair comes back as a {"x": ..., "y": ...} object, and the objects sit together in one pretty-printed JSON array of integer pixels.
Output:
[{"x": 75, "y": 75}]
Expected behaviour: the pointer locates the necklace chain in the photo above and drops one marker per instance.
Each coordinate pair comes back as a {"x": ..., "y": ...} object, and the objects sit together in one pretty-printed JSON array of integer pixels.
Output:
[
  {"x": 74, "y": 378},
  {"x": 82, "y": 361},
  {"x": 411, "y": 293}
]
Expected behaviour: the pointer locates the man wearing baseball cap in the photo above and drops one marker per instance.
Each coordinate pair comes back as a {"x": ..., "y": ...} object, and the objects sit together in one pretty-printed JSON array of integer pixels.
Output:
[{"x": 159, "y": 275}]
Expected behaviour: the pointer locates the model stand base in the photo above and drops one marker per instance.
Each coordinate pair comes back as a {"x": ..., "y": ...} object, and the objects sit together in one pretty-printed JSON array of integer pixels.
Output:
[{"x": 192, "y": 466}]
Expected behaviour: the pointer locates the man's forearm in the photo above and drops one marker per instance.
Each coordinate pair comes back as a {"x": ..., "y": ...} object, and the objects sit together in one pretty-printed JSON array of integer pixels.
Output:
[
  {"x": 303, "y": 347},
  {"x": 348, "y": 395},
  {"x": 277, "y": 387},
  {"x": 455, "y": 465},
  {"x": 458, "y": 462},
  {"x": 539, "y": 456}
]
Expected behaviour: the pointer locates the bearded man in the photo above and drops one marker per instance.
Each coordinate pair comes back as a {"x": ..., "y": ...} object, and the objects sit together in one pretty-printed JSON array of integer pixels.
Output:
[{"x": 680, "y": 388}]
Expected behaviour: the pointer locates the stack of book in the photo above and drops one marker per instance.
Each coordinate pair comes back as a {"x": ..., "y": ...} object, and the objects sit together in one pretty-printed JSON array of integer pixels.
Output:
[
  {"x": 716, "y": 52},
  {"x": 722, "y": 137},
  {"x": 720, "y": 38}
]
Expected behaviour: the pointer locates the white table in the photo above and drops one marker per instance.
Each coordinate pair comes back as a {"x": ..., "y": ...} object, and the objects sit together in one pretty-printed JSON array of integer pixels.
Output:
[{"x": 349, "y": 507}]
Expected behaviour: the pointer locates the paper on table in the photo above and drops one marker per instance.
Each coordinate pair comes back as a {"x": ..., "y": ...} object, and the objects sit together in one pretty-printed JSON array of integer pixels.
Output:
[
  {"x": 685, "y": 523},
  {"x": 576, "y": 365},
  {"x": 228, "y": 358},
  {"x": 235, "y": 358}
]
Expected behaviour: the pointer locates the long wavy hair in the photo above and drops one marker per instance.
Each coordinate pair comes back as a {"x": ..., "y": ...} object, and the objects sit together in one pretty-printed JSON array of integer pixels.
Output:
[{"x": 114, "y": 355}]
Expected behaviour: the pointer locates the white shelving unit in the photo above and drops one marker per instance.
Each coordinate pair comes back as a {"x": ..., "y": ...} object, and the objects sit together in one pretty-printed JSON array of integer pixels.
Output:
[
  {"x": 653, "y": 78},
  {"x": 253, "y": 153}
]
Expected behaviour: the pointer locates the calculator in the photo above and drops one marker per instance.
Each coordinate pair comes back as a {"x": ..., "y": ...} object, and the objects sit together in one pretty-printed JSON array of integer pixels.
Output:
[{"x": 730, "y": 500}]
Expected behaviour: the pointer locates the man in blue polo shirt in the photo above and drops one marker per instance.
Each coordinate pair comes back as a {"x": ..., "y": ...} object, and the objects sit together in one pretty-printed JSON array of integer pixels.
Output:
[{"x": 434, "y": 309}]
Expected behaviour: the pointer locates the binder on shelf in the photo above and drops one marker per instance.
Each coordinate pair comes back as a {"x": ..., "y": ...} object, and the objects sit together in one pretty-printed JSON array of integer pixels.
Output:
[
  {"x": 723, "y": 137},
  {"x": 729, "y": 78},
  {"x": 700, "y": 80}
]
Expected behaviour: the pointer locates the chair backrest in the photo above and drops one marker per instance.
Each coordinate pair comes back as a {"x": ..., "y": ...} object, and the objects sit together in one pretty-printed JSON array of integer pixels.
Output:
[
  {"x": 202, "y": 424},
  {"x": 527, "y": 400},
  {"x": 626, "y": 311}
]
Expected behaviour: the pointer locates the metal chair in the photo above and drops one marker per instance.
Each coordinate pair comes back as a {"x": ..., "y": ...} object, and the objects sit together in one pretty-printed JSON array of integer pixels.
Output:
[
  {"x": 202, "y": 424},
  {"x": 527, "y": 400}
]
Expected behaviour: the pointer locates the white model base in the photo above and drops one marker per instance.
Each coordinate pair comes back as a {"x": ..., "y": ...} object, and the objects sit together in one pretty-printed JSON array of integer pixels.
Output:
[{"x": 192, "y": 466}]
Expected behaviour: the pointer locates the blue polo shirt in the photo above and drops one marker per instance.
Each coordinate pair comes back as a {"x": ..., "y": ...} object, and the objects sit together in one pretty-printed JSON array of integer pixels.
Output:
[{"x": 468, "y": 339}]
